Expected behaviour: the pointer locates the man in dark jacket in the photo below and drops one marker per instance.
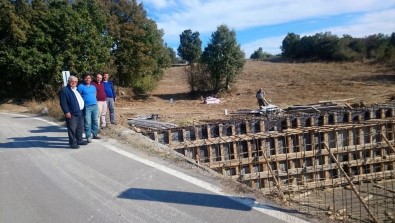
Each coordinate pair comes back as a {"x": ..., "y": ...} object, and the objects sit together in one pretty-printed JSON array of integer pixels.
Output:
[{"x": 72, "y": 104}]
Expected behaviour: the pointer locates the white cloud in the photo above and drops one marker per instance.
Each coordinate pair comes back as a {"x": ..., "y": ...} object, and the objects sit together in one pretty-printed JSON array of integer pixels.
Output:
[
  {"x": 269, "y": 45},
  {"x": 205, "y": 15},
  {"x": 159, "y": 4},
  {"x": 367, "y": 24},
  {"x": 371, "y": 23}
]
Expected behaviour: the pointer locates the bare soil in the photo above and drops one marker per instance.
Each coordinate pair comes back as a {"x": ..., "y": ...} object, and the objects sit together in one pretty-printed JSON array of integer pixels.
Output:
[{"x": 285, "y": 84}]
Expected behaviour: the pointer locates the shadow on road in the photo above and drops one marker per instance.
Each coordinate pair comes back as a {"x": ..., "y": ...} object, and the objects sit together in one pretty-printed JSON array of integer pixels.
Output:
[
  {"x": 199, "y": 199},
  {"x": 39, "y": 141},
  {"x": 46, "y": 129},
  {"x": 187, "y": 198}
]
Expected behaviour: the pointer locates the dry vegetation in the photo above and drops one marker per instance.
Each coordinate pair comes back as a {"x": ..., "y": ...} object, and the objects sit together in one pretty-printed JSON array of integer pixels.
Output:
[{"x": 285, "y": 84}]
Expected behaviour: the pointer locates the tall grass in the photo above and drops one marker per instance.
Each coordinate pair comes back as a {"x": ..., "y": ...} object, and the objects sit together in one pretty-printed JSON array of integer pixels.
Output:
[{"x": 50, "y": 108}]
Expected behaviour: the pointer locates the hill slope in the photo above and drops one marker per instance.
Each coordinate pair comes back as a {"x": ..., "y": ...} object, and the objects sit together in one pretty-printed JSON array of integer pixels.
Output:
[{"x": 285, "y": 84}]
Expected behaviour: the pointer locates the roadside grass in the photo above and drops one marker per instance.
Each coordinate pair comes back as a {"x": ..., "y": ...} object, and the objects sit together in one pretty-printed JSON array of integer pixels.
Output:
[{"x": 49, "y": 108}]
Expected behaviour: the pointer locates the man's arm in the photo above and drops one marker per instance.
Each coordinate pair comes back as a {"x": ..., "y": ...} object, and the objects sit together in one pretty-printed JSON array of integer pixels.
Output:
[
  {"x": 63, "y": 102},
  {"x": 113, "y": 90}
]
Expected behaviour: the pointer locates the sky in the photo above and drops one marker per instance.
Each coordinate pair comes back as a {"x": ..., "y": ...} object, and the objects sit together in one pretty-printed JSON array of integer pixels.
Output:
[{"x": 265, "y": 23}]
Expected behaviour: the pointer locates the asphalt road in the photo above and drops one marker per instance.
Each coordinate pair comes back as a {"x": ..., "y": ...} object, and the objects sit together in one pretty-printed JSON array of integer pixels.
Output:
[{"x": 42, "y": 180}]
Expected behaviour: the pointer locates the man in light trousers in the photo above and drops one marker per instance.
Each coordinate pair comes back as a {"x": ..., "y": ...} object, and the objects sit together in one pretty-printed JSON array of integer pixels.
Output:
[{"x": 101, "y": 100}]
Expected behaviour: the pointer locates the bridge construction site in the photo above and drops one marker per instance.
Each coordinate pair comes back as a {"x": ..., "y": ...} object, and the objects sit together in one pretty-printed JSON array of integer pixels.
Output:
[{"x": 329, "y": 160}]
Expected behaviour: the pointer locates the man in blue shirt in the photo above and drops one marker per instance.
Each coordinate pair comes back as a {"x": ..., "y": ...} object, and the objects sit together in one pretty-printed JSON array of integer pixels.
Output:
[
  {"x": 91, "y": 111},
  {"x": 110, "y": 93},
  {"x": 72, "y": 105}
]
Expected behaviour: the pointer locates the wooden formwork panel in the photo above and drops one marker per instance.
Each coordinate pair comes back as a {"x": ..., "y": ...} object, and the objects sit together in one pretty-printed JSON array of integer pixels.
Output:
[
  {"x": 250, "y": 151},
  {"x": 299, "y": 157}
]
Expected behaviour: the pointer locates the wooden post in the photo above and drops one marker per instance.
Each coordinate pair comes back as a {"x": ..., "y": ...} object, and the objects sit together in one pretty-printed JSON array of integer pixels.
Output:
[
  {"x": 220, "y": 130},
  {"x": 247, "y": 125},
  {"x": 290, "y": 162},
  {"x": 249, "y": 149},
  {"x": 184, "y": 135},
  {"x": 155, "y": 135},
  {"x": 210, "y": 153},
  {"x": 288, "y": 123},
  {"x": 261, "y": 126},
  {"x": 221, "y": 152},
  {"x": 271, "y": 170},
  {"x": 349, "y": 117},
  {"x": 351, "y": 184},
  {"x": 350, "y": 137},
  {"x": 208, "y": 129},
  {"x": 334, "y": 118},
  {"x": 382, "y": 113},
  {"x": 196, "y": 133},
  {"x": 311, "y": 119},
  {"x": 325, "y": 120},
  {"x": 360, "y": 136},
  {"x": 169, "y": 136},
  {"x": 388, "y": 142}
]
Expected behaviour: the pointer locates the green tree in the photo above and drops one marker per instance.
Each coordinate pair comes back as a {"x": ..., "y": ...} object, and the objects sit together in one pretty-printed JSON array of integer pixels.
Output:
[
  {"x": 190, "y": 47},
  {"x": 392, "y": 39},
  {"x": 89, "y": 48},
  {"x": 223, "y": 57},
  {"x": 289, "y": 45},
  {"x": 326, "y": 46},
  {"x": 51, "y": 36},
  {"x": 172, "y": 55},
  {"x": 260, "y": 54},
  {"x": 138, "y": 50},
  {"x": 376, "y": 45},
  {"x": 305, "y": 48},
  {"x": 390, "y": 50}
]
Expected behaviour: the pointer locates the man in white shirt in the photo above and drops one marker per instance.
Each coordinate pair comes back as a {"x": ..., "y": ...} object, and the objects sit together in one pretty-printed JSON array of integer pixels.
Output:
[{"x": 72, "y": 105}]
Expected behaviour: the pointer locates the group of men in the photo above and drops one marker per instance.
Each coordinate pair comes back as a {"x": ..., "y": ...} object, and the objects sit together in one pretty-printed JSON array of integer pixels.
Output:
[{"x": 85, "y": 106}]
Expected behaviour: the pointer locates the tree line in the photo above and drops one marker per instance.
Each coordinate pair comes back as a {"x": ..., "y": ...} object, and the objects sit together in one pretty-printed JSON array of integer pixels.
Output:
[
  {"x": 328, "y": 47},
  {"x": 41, "y": 38}
]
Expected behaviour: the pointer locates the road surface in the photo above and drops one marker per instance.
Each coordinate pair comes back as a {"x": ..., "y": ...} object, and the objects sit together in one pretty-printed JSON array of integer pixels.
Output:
[{"x": 42, "y": 180}]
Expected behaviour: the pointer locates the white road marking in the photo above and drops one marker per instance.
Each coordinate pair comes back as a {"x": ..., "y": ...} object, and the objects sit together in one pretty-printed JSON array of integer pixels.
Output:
[
  {"x": 49, "y": 122},
  {"x": 214, "y": 189},
  {"x": 247, "y": 202}
]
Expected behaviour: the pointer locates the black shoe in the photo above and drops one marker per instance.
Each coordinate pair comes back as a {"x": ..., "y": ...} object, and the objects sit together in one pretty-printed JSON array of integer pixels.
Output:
[
  {"x": 82, "y": 143},
  {"x": 96, "y": 137},
  {"x": 75, "y": 147}
]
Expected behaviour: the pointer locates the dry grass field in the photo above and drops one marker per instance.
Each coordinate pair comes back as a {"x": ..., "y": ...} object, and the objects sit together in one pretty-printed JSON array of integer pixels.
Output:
[{"x": 285, "y": 84}]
